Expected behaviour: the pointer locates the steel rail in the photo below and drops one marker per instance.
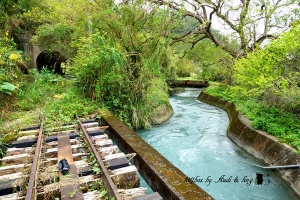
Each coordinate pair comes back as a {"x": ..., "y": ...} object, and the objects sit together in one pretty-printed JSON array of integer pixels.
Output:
[
  {"x": 109, "y": 184},
  {"x": 31, "y": 189}
]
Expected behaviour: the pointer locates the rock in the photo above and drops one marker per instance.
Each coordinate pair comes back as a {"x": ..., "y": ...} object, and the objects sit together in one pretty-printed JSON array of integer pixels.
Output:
[{"x": 162, "y": 114}]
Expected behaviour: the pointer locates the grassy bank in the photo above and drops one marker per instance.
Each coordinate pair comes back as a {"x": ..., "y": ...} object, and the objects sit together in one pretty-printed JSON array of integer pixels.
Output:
[
  {"x": 43, "y": 94},
  {"x": 285, "y": 126}
]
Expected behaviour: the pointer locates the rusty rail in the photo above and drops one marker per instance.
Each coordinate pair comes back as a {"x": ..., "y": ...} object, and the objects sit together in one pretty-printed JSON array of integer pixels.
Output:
[
  {"x": 31, "y": 190},
  {"x": 110, "y": 186}
]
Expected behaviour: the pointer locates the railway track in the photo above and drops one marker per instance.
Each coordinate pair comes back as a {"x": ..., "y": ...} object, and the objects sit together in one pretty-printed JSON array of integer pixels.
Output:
[{"x": 75, "y": 161}]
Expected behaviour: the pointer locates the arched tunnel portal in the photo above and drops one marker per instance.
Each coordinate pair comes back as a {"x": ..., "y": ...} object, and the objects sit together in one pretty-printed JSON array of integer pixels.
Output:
[{"x": 50, "y": 60}]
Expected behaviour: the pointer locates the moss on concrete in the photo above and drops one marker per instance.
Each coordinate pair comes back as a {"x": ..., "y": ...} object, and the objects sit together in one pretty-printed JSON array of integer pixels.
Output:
[{"x": 258, "y": 143}]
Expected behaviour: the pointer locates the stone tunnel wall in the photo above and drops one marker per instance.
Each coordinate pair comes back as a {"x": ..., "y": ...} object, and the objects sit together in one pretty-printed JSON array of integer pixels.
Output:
[
  {"x": 258, "y": 143},
  {"x": 30, "y": 50}
]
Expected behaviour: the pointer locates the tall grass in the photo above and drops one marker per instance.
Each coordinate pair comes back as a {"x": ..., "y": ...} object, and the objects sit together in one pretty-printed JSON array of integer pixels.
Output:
[{"x": 49, "y": 95}]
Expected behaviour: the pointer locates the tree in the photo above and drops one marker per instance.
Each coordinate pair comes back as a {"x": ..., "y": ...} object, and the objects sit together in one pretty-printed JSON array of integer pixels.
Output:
[
  {"x": 142, "y": 34},
  {"x": 56, "y": 26},
  {"x": 252, "y": 21},
  {"x": 214, "y": 63},
  {"x": 9, "y": 9},
  {"x": 132, "y": 87},
  {"x": 185, "y": 68},
  {"x": 272, "y": 74}
]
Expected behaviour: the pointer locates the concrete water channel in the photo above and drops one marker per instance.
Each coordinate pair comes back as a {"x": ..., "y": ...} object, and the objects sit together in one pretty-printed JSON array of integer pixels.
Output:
[{"x": 195, "y": 141}]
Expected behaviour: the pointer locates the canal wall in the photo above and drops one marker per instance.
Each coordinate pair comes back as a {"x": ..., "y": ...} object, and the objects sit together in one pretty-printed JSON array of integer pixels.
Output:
[
  {"x": 258, "y": 143},
  {"x": 160, "y": 174},
  {"x": 187, "y": 83}
]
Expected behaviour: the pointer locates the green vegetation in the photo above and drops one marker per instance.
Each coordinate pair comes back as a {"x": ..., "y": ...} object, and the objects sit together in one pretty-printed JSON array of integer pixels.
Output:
[
  {"x": 202, "y": 60},
  {"x": 117, "y": 61},
  {"x": 49, "y": 95},
  {"x": 11, "y": 63},
  {"x": 117, "y": 54},
  {"x": 212, "y": 62},
  {"x": 101, "y": 71},
  {"x": 282, "y": 124},
  {"x": 121, "y": 55},
  {"x": 266, "y": 88},
  {"x": 27, "y": 97},
  {"x": 9, "y": 60}
]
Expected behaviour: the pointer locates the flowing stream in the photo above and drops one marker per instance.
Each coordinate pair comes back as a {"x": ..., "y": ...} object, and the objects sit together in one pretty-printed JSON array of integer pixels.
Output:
[{"x": 195, "y": 141}]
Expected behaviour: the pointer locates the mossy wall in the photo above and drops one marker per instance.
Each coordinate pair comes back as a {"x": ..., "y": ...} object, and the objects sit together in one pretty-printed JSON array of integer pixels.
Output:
[
  {"x": 258, "y": 143},
  {"x": 160, "y": 174}
]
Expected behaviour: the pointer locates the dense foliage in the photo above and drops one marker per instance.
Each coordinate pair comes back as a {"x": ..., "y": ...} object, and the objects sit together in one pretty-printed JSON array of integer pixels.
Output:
[
  {"x": 273, "y": 74},
  {"x": 101, "y": 70},
  {"x": 108, "y": 77},
  {"x": 267, "y": 87},
  {"x": 121, "y": 53},
  {"x": 44, "y": 94},
  {"x": 213, "y": 62},
  {"x": 11, "y": 66},
  {"x": 202, "y": 60},
  {"x": 10, "y": 8},
  {"x": 116, "y": 52}
]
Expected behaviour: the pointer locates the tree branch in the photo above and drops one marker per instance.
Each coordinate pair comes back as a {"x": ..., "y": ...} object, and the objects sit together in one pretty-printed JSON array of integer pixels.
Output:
[
  {"x": 262, "y": 38},
  {"x": 245, "y": 23}
]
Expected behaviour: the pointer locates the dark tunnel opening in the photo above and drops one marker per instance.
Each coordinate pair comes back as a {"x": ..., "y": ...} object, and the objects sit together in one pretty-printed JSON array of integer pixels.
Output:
[{"x": 50, "y": 60}]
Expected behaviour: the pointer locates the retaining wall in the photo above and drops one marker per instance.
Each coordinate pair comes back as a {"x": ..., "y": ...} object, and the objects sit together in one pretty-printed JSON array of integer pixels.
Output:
[{"x": 258, "y": 143}]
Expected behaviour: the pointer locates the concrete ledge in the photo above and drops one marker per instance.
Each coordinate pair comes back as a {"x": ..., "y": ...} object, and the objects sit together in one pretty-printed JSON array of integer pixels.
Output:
[
  {"x": 258, "y": 143},
  {"x": 187, "y": 83},
  {"x": 160, "y": 174}
]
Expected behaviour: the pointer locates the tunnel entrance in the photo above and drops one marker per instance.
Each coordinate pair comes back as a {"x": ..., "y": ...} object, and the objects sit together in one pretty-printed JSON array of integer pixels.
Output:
[{"x": 50, "y": 60}]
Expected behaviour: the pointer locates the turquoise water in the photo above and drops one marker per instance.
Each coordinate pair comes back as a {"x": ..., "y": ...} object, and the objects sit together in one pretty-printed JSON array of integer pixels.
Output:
[{"x": 195, "y": 141}]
